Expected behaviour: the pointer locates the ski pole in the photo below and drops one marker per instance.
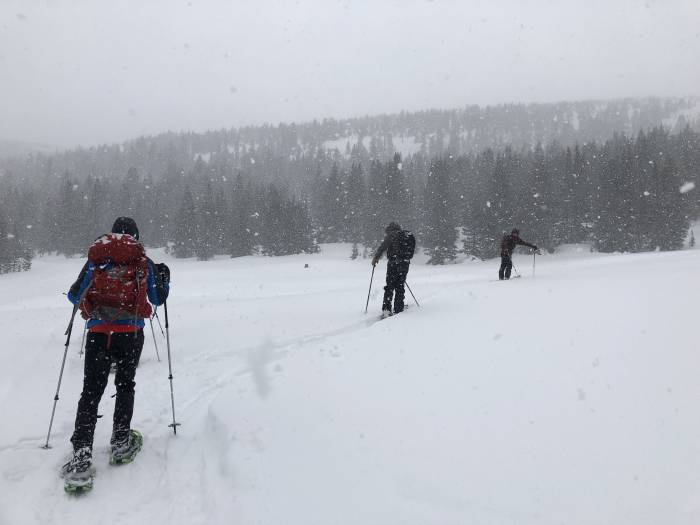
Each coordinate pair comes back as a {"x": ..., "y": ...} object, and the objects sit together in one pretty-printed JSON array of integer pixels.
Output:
[
  {"x": 69, "y": 330},
  {"x": 414, "y": 297},
  {"x": 534, "y": 258},
  {"x": 155, "y": 314},
  {"x": 150, "y": 320},
  {"x": 515, "y": 269},
  {"x": 174, "y": 425},
  {"x": 82, "y": 343},
  {"x": 370, "y": 288}
]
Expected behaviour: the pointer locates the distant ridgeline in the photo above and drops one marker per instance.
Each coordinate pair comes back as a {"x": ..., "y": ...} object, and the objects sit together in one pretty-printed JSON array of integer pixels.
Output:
[{"x": 621, "y": 175}]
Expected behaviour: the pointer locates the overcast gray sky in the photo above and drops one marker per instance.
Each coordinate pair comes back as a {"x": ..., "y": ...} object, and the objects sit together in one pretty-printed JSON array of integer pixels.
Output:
[{"x": 86, "y": 72}]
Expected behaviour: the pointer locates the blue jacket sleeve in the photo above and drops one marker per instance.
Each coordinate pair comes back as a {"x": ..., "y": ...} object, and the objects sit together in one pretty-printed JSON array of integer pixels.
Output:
[
  {"x": 158, "y": 288},
  {"x": 82, "y": 282}
]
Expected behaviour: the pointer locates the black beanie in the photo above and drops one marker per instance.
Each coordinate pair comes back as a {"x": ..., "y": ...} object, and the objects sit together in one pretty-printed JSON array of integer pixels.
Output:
[
  {"x": 126, "y": 225},
  {"x": 393, "y": 227}
]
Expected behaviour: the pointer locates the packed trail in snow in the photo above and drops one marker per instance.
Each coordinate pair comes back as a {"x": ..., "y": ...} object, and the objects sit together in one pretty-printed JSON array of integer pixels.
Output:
[{"x": 569, "y": 396}]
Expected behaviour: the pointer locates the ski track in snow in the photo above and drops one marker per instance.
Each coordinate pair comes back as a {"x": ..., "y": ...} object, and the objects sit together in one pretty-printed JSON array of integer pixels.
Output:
[{"x": 565, "y": 397}]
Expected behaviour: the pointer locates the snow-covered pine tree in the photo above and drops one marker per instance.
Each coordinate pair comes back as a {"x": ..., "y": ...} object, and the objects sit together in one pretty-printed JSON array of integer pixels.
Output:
[
  {"x": 222, "y": 223},
  {"x": 185, "y": 227},
  {"x": 242, "y": 232},
  {"x": 205, "y": 227},
  {"x": 356, "y": 196},
  {"x": 70, "y": 226},
  {"x": 396, "y": 191},
  {"x": 333, "y": 208},
  {"x": 375, "y": 214},
  {"x": 274, "y": 239},
  {"x": 440, "y": 231}
]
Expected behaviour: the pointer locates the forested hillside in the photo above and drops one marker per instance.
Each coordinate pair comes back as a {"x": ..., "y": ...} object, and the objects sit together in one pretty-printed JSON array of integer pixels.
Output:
[{"x": 617, "y": 174}]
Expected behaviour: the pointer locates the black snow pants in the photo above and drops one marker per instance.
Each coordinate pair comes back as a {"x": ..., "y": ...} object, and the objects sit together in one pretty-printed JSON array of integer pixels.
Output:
[
  {"x": 124, "y": 349},
  {"x": 506, "y": 266},
  {"x": 396, "y": 271}
]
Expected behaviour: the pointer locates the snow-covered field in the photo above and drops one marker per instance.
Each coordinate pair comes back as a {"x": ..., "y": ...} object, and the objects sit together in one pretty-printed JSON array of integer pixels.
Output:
[{"x": 571, "y": 397}]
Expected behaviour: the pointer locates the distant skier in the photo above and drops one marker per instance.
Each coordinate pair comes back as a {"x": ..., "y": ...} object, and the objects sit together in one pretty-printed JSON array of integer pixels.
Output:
[
  {"x": 399, "y": 246},
  {"x": 508, "y": 244},
  {"x": 113, "y": 292}
]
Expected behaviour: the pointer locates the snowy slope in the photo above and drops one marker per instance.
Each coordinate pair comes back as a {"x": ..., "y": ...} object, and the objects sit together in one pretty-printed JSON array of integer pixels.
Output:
[{"x": 570, "y": 397}]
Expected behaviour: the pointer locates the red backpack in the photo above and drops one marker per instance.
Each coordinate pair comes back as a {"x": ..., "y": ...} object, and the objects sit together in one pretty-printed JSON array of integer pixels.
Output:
[{"x": 118, "y": 290}]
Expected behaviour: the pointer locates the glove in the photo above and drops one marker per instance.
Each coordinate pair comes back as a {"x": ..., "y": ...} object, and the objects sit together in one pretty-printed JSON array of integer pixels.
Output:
[
  {"x": 163, "y": 272},
  {"x": 375, "y": 260},
  {"x": 535, "y": 249}
]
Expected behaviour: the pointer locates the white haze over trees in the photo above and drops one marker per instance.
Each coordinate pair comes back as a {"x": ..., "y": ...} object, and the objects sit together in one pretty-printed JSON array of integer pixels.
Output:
[
  {"x": 82, "y": 73},
  {"x": 619, "y": 176}
]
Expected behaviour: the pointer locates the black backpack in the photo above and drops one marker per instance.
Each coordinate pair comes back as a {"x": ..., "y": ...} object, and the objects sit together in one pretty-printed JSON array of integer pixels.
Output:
[{"x": 404, "y": 245}]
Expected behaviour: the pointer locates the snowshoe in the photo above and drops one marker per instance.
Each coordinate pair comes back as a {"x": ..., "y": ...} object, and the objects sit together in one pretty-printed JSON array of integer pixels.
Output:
[
  {"x": 78, "y": 473},
  {"x": 126, "y": 451},
  {"x": 505, "y": 280},
  {"x": 385, "y": 314}
]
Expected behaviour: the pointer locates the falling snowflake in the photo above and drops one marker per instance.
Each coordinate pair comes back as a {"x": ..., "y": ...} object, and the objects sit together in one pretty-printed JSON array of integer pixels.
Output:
[{"x": 688, "y": 186}]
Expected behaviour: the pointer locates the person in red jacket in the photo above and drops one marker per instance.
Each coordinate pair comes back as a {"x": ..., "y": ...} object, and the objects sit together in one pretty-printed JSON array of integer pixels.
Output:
[
  {"x": 508, "y": 244},
  {"x": 114, "y": 291}
]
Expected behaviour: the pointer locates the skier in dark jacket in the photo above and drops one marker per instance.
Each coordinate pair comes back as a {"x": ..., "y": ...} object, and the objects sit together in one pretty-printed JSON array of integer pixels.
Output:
[
  {"x": 399, "y": 246},
  {"x": 508, "y": 244},
  {"x": 118, "y": 268}
]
